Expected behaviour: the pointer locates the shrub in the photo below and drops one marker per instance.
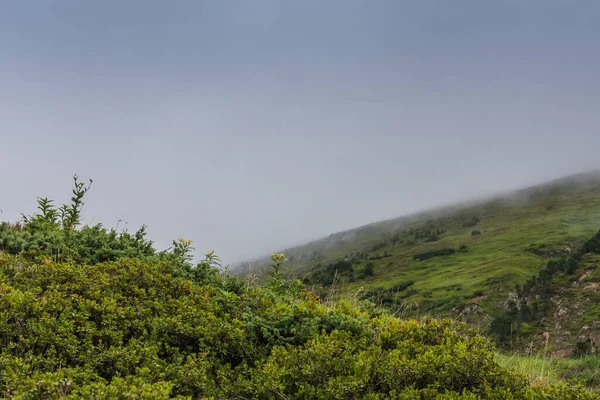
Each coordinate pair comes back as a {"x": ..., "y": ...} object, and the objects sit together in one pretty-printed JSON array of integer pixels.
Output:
[
  {"x": 471, "y": 222},
  {"x": 129, "y": 328},
  {"x": 369, "y": 269},
  {"x": 592, "y": 245},
  {"x": 584, "y": 348},
  {"x": 433, "y": 253}
]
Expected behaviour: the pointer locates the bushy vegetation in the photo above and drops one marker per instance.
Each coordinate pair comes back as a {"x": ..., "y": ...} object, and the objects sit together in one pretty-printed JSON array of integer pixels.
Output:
[
  {"x": 134, "y": 322},
  {"x": 130, "y": 328},
  {"x": 533, "y": 300},
  {"x": 471, "y": 222},
  {"x": 392, "y": 297},
  {"x": 327, "y": 275},
  {"x": 433, "y": 253},
  {"x": 428, "y": 235},
  {"x": 52, "y": 233}
]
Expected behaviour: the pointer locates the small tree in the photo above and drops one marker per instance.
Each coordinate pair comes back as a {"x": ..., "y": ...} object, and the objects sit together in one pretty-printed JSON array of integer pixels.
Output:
[{"x": 71, "y": 214}]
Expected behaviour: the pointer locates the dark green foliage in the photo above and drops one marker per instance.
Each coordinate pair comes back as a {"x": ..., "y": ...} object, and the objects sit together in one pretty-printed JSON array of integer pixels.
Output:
[
  {"x": 90, "y": 244},
  {"x": 402, "y": 286},
  {"x": 69, "y": 214},
  {"x": 475, "y": 232},
  {"x": 592, "y": 245},
  {"x": 584, "y": 348},
  {"x": 391, "y": 297},
  {"x": 369, "y": 270},
  {"x": 379, "y": 256},
  {"x": 52, "y": 233},
  {"x": 326, "y": 275},
  {"x": 546, "y": 250},
  {"x": 379, "y": 246},
  {"x": 434, "y": 253},
  {"x": 471, "y": 222},
  {"x": 427, "y": 233}
]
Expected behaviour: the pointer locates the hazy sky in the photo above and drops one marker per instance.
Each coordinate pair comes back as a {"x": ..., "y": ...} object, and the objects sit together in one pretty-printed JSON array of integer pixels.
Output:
[{"x": 251, "y": 125}]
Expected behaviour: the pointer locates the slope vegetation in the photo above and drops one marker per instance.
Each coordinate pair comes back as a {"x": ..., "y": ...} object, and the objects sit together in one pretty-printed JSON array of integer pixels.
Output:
[
  {"x": 91, "y": 313},
  {"x": 466, "y": 260}
]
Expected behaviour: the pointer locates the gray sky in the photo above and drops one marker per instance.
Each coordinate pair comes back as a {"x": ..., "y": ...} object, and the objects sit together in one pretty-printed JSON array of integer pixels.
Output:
[{"x": 251, "y": 125}]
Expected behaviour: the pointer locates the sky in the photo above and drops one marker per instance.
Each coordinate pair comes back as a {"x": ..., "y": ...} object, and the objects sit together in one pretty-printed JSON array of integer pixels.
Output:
[{"x": 249, "y": 126}]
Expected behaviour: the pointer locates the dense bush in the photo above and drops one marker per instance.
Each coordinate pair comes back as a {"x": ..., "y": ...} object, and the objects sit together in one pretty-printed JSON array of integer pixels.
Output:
[
  {"x": 433, "y": 253},
  {"x": 592, "y": 245},
  {"x": 379, "y": 256},
  {"x": 369, "y": 269},
  {"x": 471, "y": 222},
  {"x": 584, "y": 348},
  {"x": 327, "y": 275},
  {"x": 54, "y": 233},
  {"x": 390, "y": 297},
  {"x": 428, "y": 233},
  {"x": 130, "y": 329}
]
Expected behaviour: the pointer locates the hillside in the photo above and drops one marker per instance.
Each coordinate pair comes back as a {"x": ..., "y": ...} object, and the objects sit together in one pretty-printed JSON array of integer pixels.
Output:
[
  {"x": 466, "y": 260},
  {"x": 91, "y": 313}
]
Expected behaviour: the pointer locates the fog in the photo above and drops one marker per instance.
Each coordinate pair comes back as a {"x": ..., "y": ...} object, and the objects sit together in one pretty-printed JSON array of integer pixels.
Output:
[{"x": 253, "y": 126}]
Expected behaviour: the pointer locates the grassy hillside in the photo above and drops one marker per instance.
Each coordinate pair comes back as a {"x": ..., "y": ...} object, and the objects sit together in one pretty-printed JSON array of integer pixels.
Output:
[
  {"x": 92, "y": 313},
  {"x": 88, "y": 312},
  {"x": 462, "y": 260}
]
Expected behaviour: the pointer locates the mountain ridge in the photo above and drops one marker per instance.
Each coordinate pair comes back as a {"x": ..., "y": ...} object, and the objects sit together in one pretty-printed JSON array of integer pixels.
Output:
[{"x": 592, "y": 174}]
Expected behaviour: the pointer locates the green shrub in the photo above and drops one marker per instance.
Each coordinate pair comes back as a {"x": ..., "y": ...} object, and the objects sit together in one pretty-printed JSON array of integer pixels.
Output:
[
  {"x": 471, "y": 222},
  {"x": 433, "y": 253},
  {"x": 369, "y": 269},
  {"x": 131, "y": 328},
  {"x": 584, "y": 348}
]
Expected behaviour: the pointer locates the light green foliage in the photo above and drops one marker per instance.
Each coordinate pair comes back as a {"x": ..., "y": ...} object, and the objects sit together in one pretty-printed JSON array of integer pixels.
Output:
[
  {"x": 91, "y": 313},
  {"x": 130, "y": 328}
]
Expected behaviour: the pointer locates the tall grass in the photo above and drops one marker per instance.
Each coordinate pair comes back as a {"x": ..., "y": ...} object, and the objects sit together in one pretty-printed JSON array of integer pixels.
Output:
[
  {"x": 543, "y": 371},
  {"x": 540, "y": 370}
]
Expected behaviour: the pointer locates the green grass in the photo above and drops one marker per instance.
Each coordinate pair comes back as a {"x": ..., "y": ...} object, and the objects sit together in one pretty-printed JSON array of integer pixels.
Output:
[
  {"x": 543, "y": 371},
  {"x": 539, "y": 370},
  {"x": 558, "y": 215}
]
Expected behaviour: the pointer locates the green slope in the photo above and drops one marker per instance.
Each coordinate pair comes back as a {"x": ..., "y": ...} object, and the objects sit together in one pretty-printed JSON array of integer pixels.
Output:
[{"x": 518, "y": 233}]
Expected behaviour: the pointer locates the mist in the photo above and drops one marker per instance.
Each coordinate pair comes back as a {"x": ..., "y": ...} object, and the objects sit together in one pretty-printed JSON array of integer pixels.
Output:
[{"x": 253, "y": 128}]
